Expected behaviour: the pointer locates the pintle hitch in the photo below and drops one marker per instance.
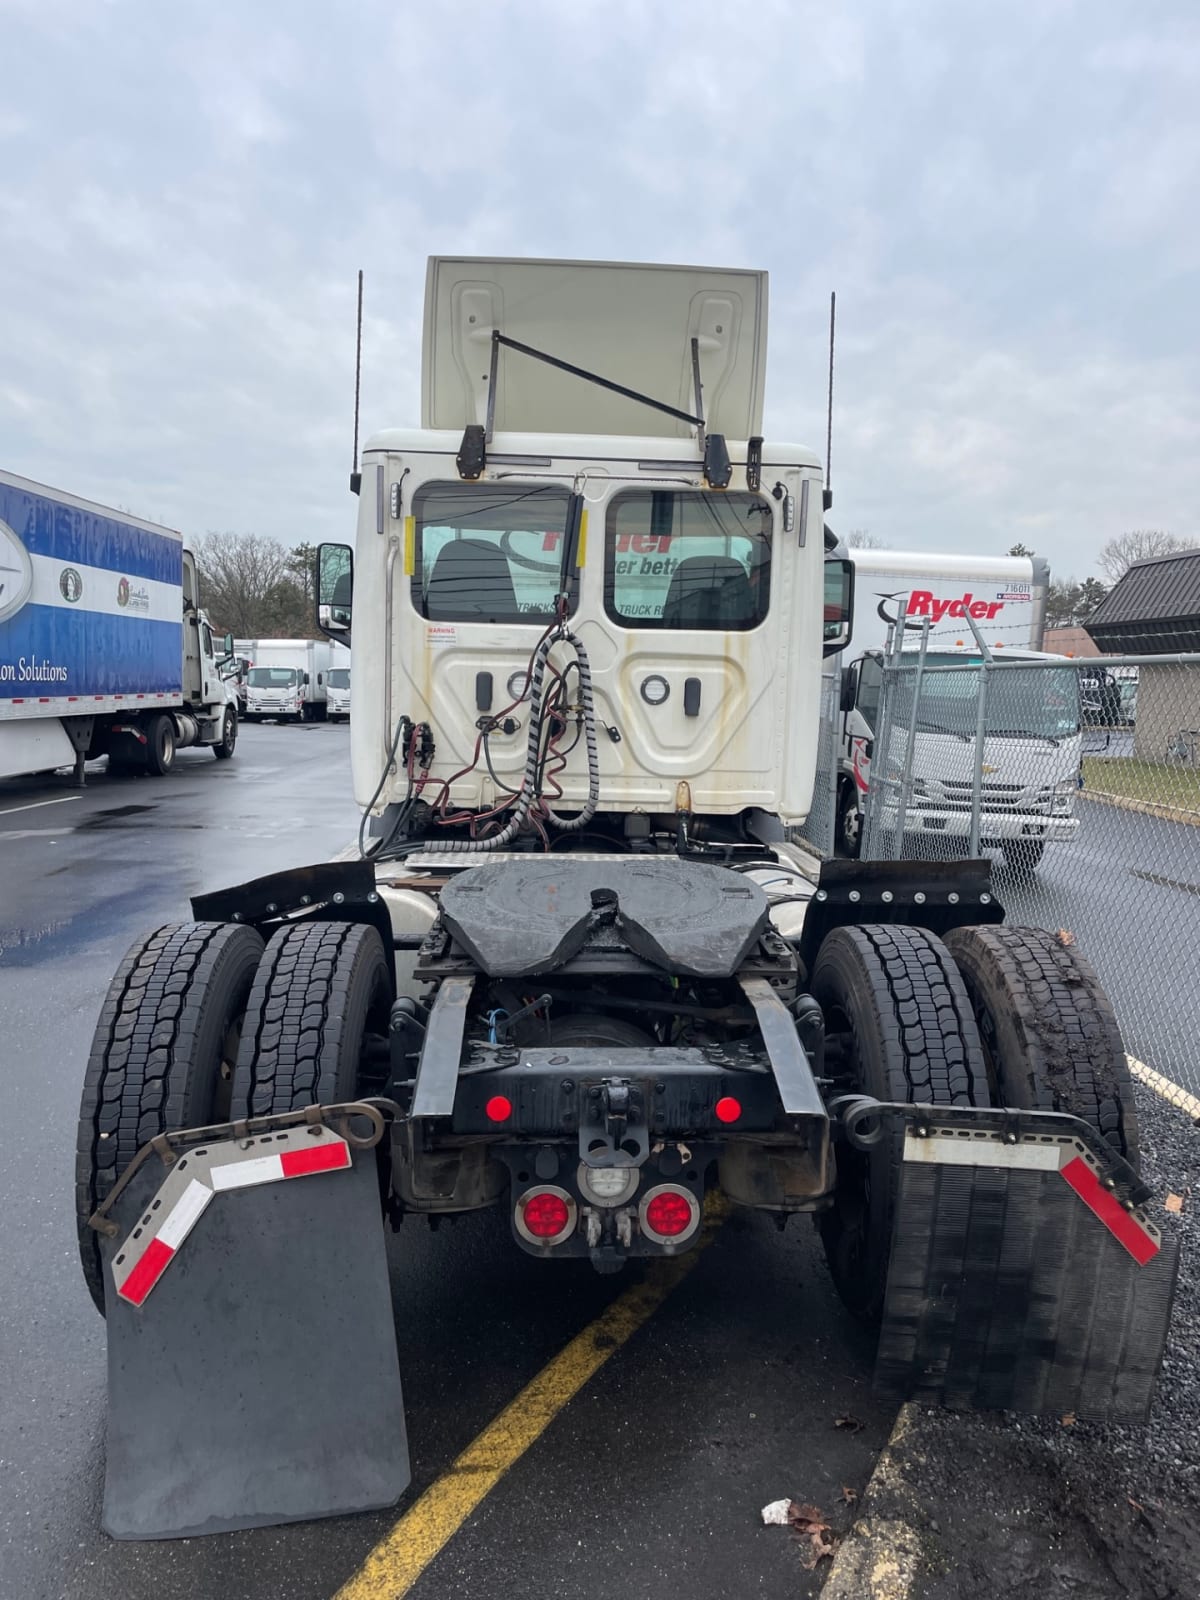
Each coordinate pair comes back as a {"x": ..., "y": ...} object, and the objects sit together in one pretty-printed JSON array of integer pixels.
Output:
[{"x": 612, "y": 1124}]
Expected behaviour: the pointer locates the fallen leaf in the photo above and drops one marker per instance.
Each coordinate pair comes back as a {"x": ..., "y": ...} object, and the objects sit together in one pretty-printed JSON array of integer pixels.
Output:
[
  {"x": 1068, "y": 1421},
  {"x": 1173, "y": 1202},
  {"x": 1143, "y": 1514},
  {"x": 849, "y": 1495},
  {"x": 1065, "y": 937},
  {"x": 815, "y": 1534},
  {"x": 850, "y": 1422}
]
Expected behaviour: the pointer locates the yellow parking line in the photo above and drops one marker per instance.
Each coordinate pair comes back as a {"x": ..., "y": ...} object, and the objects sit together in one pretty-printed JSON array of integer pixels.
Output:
[
  {"x": 400, "y": 1558},
  {"x": 1170, "y": 1091}
]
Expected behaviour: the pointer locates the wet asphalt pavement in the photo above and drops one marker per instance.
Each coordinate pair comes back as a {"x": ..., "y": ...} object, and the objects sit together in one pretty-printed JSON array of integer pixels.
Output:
[{"x": 649, "y": 1481}]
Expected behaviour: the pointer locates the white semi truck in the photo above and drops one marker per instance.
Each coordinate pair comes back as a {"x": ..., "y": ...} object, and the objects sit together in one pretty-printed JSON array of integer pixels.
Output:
[
  {"x": 104, "y": 650},
  {"x": 287, "y": 680},
  {"x": 590, "y": 605},
  {"x": 1031, "y": 760}
]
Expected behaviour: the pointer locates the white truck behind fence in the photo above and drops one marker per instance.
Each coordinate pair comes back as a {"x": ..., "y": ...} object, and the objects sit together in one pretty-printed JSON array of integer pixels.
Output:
[{"x": 1107, "y": 856}]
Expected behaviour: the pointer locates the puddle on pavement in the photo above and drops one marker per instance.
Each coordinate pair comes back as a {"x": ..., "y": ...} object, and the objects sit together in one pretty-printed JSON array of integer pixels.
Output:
[{"x": 110, "y": 815}]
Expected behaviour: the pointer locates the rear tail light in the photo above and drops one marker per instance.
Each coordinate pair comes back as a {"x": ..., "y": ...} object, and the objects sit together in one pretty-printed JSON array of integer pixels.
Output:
[
  {"x": 728, "y": 1109},
  {"x": 546, "y": 1215},
  {"x": 668, "y": 1214}
]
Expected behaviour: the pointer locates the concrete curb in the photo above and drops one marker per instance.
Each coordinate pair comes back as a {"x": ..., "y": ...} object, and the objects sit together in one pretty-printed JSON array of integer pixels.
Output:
[
  {"x": 1148, "y": 808},
  {"x": 879, "y": 1557}
]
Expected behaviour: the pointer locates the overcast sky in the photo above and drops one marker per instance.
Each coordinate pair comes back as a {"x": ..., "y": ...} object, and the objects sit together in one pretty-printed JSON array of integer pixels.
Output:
[{"x": 1005, "y": 197}]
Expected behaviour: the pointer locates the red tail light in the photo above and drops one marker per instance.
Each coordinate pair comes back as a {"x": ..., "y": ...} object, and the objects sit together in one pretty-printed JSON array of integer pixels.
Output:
[
  {"x": 669, "y": 1215},
  {"x": 728, "y": 1109},
  {"x": 499, "y": 1108},
  {"x": 545, "y": 1216}
]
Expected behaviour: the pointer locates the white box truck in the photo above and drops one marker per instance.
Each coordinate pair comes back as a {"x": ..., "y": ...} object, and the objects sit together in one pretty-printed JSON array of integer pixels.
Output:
[
  {"x": 288, "y": 679},
  {"x": 104, "y": 650},
  {"x": 338, "y": 700},
  {"x": 1031, "y": 769}
]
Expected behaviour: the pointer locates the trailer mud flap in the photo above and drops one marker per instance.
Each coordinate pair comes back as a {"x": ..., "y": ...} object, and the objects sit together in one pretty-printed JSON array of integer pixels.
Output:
[
  {"x": 252, "y": 1366},
  {"x": 1020, "y": 1280}
]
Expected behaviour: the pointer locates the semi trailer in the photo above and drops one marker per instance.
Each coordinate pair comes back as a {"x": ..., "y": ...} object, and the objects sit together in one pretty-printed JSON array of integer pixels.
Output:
[
  {"x": 581, "y": 972},
  {"x": 104, "y": 649}
]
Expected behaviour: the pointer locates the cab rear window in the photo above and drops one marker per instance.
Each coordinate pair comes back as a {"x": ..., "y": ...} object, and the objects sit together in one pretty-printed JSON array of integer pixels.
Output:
[
  {"x": 488, "y": 554},
  {"x": 687, "y": 560}
]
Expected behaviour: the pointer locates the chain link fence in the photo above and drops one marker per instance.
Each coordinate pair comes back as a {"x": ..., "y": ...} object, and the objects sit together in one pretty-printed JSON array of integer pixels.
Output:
[{"x": 1081, "y": 779}]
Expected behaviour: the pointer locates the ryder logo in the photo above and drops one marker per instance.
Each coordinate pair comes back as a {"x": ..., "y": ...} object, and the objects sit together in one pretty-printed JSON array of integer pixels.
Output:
[
  {"x": 923, "y": 603},
  {"x": 16, "y": 573}
]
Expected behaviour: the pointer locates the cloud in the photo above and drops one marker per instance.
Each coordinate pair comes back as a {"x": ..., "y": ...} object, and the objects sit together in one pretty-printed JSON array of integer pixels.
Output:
[{"x": 1005, "y": 210}]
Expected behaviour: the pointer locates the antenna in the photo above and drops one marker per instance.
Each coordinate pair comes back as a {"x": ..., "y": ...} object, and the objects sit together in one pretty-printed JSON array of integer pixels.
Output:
[
  {"x": 829, "y": 415},
  {"x": 355, "y": 474}
]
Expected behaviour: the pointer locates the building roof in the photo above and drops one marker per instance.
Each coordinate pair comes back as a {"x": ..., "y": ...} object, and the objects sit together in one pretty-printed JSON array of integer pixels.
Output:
[{"x": 1154, "y": 609}]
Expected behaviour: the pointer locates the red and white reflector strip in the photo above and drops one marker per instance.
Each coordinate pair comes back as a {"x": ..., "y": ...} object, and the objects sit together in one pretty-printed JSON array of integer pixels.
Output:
[
  {"x": 191, "y": 1186},
  {"x": 1065, "y": 1156},
  {"x": 1122, "y": 1224}
]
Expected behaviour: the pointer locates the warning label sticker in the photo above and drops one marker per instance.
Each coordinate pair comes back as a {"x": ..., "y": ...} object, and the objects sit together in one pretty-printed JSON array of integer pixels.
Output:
[{"x": 440, "y": 635}]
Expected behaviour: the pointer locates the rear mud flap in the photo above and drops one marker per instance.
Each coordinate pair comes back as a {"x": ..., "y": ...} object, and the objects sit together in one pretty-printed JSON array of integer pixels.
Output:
[
  {"x": 1019, "y": 1281},
  {"x": 252, "y": 1367}
]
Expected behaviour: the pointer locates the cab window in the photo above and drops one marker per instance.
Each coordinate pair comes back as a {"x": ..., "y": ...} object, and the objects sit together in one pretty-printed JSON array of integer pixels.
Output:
[
  {"x": 488, "y": 554},
  {"x": 687, "y": 560}
]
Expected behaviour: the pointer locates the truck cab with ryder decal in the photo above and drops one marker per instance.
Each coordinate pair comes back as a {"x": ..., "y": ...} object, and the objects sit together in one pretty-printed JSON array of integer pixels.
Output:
[
  {"x": 944, "y": 606},
  {"x": 582, "y": 972}
]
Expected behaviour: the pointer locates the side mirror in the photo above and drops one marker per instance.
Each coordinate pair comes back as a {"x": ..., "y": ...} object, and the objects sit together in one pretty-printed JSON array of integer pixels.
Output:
[
  {"x": 227, "y": 644},
  {"x": 304, "y": 679},
  {"x": 839, "y": 605},
  {"x": 849, "y": 696},
  {"x": 334, "y": 589}
]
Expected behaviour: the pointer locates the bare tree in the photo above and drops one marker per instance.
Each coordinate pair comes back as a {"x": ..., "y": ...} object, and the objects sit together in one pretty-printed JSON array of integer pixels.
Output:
[
  {"x": 1119, "y": 554},
  {"x": 864, "y": 539},
  {"x": 247, "y": 585},
  {"x": 1020, "y": 549}
]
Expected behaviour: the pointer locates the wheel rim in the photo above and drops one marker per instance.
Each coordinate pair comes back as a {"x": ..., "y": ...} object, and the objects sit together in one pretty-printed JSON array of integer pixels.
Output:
[
  {"x": 852, "y": 822},
  {"x": 230, "y": 730}
]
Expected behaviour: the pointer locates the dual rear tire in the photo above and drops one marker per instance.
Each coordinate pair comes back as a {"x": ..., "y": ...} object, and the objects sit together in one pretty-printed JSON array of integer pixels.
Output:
[
  {"x": 990, "y": 1016},
  {"x": 203, "y": 1023}
]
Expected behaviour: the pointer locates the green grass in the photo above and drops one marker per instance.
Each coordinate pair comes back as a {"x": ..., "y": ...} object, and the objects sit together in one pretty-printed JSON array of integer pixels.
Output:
[{"x": 1153, "y": 781}]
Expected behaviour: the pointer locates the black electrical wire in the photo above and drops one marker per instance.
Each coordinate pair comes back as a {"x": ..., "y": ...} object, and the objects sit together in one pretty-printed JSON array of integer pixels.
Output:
[{"x": 389, "y": 767}]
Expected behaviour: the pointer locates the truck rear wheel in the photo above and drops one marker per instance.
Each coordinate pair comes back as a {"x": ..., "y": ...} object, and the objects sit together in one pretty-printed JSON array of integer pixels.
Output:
[
  {"x": 900, "y": 1025},
  {"x": 160, "y": 745},
  {"x": 162, "y": 1055},
  {"x": 323, "y": 990},
  {"x": 1050, "y": 1038},
  {"x": 229, "y": 732}
]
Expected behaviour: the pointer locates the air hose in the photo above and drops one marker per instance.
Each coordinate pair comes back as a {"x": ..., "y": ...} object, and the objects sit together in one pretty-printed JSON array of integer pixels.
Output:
[{"x": 527, "y": 795}]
